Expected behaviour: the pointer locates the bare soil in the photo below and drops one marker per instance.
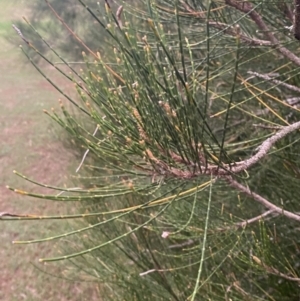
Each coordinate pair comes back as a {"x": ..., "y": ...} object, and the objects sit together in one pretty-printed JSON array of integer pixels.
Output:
[{"x": 31, "y": 144}]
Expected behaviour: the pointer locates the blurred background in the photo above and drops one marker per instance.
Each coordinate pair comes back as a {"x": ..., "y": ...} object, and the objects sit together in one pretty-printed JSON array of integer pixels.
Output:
[{"x": 31, "y": 144}]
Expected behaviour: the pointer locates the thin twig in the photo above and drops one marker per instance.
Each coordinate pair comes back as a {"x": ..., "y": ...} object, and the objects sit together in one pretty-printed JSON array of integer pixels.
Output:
[
  {"x": 253, "y": 219},
  {"x": 274, "y": 271},
  {"x": 118, "y": 15},
  {"x": 246, "y": 222},
  {"x": 151, "y": 271},
  {"x": 236, "y": 167},
  {"x": 69, "y": 189},
  {"x": 87, "y": 151},
  {"x": 20, "y": 34},
  {"x": 269, "y": 127},
  {"x": 247, "y": 8},
  {"x": 184, "y": 244},
  {"x": 263, "y": 149},
  {"x": 276, "y": 81},
  {"x": 8, "y": 216},
  {"x": 261, "y": 200}
]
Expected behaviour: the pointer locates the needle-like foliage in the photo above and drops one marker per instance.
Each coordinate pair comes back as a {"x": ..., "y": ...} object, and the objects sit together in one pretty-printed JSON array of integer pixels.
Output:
[{"x": 189, "y": 186}]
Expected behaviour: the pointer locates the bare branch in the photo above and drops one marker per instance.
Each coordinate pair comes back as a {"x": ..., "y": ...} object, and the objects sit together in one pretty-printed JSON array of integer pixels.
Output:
[
  {"x": 87, "y": 151},
  {"x": 118, "y": 15},
  {"x": 9, "y": 216},
  {"x": 261, "y": 200},
  {"x": 269, "y": 127},
  {"x": 246, "y": 222},
  {"x": 6, "y": 214},
  {"x": 184, "y": 244},
  {"x": 276, "y": 81},
  {"x": 253, "y": 219},
  {"x": 264, "y": 148},
  {"x": 247, "y": 8},
  {"x": 20, "y": 33},
  {"x": 237, "y": 167}
]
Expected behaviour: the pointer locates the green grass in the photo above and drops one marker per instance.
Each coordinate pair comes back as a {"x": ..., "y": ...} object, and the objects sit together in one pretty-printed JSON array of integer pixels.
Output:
[
  {"x": 4, "y": 27},
  {"x": 30, "y": 144}
]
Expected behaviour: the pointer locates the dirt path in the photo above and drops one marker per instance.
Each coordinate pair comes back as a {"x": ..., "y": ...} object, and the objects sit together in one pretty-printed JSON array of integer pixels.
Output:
[
  {"x": 29, "y": 144},
  {"x": 27, "y": 136}
]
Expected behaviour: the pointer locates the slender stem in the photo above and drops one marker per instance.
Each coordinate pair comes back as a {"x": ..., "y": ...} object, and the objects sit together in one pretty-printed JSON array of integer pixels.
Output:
[
  {"x": 196, "y": 288},
  {"x": 247, "y": 8},
  {"x": 261, "y": 200}
]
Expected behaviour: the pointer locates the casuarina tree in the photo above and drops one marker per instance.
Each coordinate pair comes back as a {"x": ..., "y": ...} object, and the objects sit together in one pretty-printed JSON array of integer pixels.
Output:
[{"x": 189, "y": 180}]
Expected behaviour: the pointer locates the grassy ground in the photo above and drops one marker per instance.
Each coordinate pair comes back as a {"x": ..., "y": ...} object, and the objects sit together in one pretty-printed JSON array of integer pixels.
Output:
[{"x": 30, "y": 144}]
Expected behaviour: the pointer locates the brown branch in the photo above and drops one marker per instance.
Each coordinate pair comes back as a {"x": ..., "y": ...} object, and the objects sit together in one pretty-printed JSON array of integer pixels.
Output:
[
  {"x": 269, "y": 127},
  {"x": 275, "y": 81},
  {"x": 10, "y": 216},
  {"x": 20, "y": 34},
  {"x": 253, "y": 219},
  {"x": 246, "y": 222},
  {"x": 226, "y": 28},
  {"x": 247, "y": 8},
  {"x": 260, "y": 199},
  {"x": 262, "y": 149},
  {"x": 118, "y": 15},
  {"x": 227, "y": 169}
]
